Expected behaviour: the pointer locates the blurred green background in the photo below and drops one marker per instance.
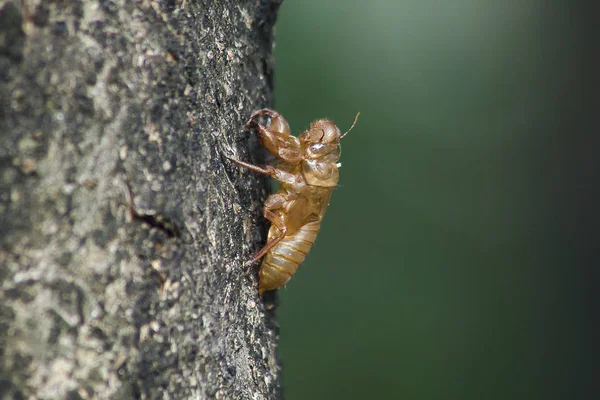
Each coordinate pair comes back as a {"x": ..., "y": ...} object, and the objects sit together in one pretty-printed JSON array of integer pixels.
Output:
[{"x": 436, "y": 274}]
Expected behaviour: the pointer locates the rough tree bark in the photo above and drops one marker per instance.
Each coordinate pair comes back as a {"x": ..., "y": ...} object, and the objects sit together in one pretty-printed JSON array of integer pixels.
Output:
[{"x": 123, "y": 230}]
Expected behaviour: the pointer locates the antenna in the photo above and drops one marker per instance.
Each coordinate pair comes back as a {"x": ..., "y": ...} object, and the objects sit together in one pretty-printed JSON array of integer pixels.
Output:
[{"x": 354, "y": 123}]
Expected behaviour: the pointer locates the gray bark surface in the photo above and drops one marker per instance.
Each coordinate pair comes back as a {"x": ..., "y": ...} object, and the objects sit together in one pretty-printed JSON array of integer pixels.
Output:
[{"x": 122, "y": 228}]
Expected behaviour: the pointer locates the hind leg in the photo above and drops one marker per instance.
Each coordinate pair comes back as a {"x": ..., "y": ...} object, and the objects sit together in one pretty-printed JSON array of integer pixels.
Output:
[{"x": 273, "y": 204}]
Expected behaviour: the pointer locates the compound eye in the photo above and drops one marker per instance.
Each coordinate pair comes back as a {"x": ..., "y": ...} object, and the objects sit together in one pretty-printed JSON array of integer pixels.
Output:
[
  {"x": 317, "y": 147},
  {"x": 325, "y": 151}
]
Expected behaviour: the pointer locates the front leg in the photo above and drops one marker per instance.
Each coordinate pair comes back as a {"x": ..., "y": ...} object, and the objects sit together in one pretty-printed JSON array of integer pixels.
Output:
[
  {"x": 277, "y": 123},
  {"x": 276, "y": 137}
]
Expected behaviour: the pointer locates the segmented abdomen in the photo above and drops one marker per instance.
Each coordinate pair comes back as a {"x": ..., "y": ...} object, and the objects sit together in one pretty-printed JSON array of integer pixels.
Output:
[{"x": 282, "y": 261}]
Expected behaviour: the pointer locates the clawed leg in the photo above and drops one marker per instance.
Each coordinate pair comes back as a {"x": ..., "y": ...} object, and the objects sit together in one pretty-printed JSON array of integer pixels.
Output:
[
  {"x": 271, "y": 243},
  {"x": 276, "y": 137},
  {"x": 273, "y": 202},
  {"x": 277, "y": 124}
]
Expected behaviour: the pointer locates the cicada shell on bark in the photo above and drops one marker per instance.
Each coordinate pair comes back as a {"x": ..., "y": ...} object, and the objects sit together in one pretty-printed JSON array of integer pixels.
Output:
[{"x": 307, "y": 167}]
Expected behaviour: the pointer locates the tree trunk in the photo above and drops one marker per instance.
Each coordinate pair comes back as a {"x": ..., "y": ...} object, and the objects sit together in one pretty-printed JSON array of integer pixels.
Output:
[{"x": 123, "y": 229}]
